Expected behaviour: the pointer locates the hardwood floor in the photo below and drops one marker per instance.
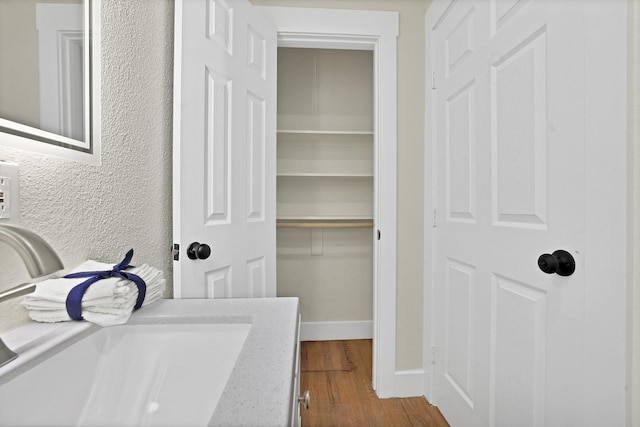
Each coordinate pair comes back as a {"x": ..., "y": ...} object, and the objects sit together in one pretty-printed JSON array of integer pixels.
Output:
[{"x": 338, "y": 375}]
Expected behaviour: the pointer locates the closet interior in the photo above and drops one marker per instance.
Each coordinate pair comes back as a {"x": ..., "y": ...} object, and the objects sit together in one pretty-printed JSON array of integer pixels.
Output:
[{"x": 325, "y": 189}]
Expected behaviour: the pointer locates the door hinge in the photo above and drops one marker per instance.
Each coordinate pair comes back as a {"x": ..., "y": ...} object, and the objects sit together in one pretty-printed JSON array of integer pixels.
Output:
[
  {"x": 433, "y": 80},
  {"x": 433, "y": 354},
  {"x": 435, "y": 218},
  {"x": 176, "y": 252},
  {"x": 378, "y": 234}
]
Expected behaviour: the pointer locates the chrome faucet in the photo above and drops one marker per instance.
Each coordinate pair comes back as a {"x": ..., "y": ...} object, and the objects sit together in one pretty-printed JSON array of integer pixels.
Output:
[{"x": 40, "y": 260}]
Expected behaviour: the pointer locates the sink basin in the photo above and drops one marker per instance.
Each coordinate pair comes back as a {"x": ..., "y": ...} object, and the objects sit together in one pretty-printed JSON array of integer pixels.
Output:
[
  {"x": 137, "y": 375},
  {"x": 177, "y": 362}
]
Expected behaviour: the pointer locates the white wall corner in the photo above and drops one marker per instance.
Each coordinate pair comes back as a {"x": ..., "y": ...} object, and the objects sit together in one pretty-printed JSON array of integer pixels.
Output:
[
  {"x": 409, "y": 383},
  {"x": 430, "y": 219}
]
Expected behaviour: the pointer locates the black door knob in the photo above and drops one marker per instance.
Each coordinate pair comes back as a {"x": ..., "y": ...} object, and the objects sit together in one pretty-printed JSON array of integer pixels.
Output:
[
  {"x": 198, "y": 251},
  {"x": 560, "y": 262}
]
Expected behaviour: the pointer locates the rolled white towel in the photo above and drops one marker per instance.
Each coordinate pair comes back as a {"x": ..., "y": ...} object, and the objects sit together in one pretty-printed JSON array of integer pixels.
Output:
[
  {"x": 57, "y": 289},
  {"x": 100, "y": 319},
  {"x": 52, "y": 293},
  {"x": 106, "y": 302}
]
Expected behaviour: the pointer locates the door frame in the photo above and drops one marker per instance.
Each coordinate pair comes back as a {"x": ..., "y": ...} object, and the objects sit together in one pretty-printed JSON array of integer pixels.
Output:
[
  {"x": 376, "y": 31},
  {"x": 605, "y": 212}
]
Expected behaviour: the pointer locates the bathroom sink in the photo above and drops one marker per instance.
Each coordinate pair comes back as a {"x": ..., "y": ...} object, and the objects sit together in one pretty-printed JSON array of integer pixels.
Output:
[
  {"x": 142, "y": 375},
  {"x": 170, "y": 365}
]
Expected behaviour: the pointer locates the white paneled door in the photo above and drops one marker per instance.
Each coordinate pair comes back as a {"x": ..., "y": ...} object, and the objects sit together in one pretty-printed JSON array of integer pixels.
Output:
[
  {"x": 509, "y": 125},
  {"x": 224, "y": 136}
]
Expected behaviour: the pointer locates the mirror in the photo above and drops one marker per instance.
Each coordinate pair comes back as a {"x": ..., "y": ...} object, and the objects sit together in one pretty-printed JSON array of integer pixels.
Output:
[{"x": 49, "y": 75}]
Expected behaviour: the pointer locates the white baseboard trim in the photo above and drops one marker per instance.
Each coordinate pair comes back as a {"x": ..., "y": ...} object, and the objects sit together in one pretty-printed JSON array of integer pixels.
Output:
[
  {"x": 409, "y": 383},
  {"x": 326, "y": 331}
]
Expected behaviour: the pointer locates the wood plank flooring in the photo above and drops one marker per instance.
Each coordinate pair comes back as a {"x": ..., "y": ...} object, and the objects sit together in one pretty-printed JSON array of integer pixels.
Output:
[{"x": 338, "y": 375}]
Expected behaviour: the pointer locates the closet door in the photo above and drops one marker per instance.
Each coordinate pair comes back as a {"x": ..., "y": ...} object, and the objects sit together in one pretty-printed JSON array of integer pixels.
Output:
[
  {"x": 224, "y": 192},
  {"x": 520, "y": 175}
]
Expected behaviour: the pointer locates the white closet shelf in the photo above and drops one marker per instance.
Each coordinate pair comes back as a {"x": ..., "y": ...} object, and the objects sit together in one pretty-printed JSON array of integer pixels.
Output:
[
  {"x": 319, "y": 218},
  {"x": 325, "y": 223},
  {"x": 325, "y": 175},
  {"x": 324, "y": 132}
]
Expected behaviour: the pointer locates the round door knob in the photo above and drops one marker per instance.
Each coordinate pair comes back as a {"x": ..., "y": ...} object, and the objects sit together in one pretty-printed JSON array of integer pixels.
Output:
[
  {"x": 305, "y": 399},
  {"x": 560, "y": 262},
  {"x": 198, "y": 251}
]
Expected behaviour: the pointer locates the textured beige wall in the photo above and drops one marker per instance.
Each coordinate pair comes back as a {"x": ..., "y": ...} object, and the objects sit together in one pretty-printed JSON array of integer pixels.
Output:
[
  {"x": 100, "y": 212},
  {"x": 410, "y": 164}
]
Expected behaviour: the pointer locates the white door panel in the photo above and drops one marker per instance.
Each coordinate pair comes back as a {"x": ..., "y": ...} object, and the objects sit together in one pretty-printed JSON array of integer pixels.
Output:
[
  {"x": 227, "y": 149},
  {"x": 509, "y": 141}
]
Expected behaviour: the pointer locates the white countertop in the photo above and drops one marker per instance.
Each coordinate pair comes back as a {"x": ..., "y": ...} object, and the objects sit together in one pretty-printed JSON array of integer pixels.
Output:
[{"x": 259, "y": 390}]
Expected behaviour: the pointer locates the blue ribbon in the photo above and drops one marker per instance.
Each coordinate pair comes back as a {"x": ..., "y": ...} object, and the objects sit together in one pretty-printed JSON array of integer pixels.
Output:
[{"x": 74, "y": 299}]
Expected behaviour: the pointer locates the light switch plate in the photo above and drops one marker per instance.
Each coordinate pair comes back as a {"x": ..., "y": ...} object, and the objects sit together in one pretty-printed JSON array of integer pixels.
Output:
[{"x": 9, "y": 192}]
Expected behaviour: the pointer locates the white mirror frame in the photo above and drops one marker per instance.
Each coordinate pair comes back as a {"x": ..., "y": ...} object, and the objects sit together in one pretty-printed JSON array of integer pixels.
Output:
[{"x": 16, "y": 135}]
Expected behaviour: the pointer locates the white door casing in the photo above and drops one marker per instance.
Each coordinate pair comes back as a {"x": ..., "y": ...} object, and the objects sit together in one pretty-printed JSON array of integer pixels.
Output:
[
  {"x": 377, "y": 31},
  {"x": 527, "y": 107},
  {"x": 224, "y": 149}
]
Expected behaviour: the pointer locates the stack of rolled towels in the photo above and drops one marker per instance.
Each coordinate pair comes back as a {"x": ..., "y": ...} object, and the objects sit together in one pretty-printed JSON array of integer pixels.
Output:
[{"x": 108, "y": 301}]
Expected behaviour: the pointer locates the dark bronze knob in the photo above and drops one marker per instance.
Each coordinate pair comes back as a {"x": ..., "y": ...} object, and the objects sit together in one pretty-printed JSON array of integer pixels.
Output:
[
  {"x": 560, "y": 262},
  {"x": 198, "y": 251}
]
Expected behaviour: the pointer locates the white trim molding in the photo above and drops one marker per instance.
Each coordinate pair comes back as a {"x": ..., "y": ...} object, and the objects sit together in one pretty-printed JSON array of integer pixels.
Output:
[
  {"x": 409, "y": 383},
  {"x": 327, "y": 331}
]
